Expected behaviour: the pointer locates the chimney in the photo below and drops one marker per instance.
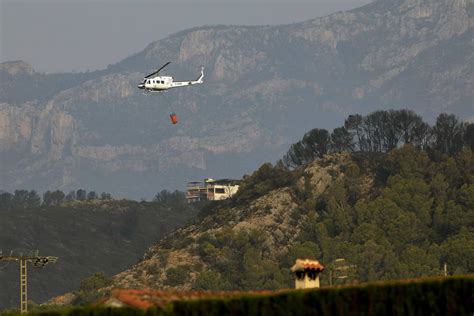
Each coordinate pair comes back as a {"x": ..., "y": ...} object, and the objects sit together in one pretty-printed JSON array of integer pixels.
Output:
[{"x": 306, "y": 273}]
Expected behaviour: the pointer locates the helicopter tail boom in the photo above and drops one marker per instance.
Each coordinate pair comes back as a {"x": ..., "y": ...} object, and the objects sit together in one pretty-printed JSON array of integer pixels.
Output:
[
  {"x": 189, "y": 83},
  {"x": 199, "y": 80}
]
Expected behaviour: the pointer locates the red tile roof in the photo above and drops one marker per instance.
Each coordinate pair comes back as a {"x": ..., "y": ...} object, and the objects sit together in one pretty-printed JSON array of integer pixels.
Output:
[
  {"x": 303, "y": 264},
  {"x": 144, "y": 299}
]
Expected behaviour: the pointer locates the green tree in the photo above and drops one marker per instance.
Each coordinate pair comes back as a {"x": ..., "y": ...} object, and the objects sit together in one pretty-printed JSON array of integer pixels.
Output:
[
  {"x": 338, "y": 210},
  {"x": 92, "y": 195},
  {"x": 302, "y": 250},
  {"x": 81, "y": 195},
  {"x": 417, "y": 262},
  {"x": 211, "y": 281},
  {"x": 177, "y": 275},
  {"x": 105, "y": 196},
  {"x": 342, "y": 140},
  {"x": 71, "y": 196},
  {"x": 54, "y": 198},
  {"x": 469, "y": 136},
  {"x": 458, "y": 252},
  {"x": 175, "y": 198},
  {"x": 411, "y": 126},
  {"x": 353, "y": 124},
  {"x": 24, "y": 199},
  {"x": 88, "y": 289},
  {"x": 6, "y": 201},
  {"x": 262, "y": 181},
  {"x": 315, "y": 143},
  {"x": 449, "y": 133}
]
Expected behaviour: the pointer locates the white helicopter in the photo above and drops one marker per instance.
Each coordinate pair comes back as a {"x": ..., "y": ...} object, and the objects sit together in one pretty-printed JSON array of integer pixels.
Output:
[{"x": 156, "y": 83}]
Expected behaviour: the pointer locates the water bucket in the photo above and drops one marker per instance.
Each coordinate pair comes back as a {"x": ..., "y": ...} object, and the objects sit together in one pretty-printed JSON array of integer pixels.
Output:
[{"x": 174, "y": 118}]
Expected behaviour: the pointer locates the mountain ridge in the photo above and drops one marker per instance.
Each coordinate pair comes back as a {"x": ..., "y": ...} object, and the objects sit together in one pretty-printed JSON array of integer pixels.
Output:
[{"x": 264, "y": 86}]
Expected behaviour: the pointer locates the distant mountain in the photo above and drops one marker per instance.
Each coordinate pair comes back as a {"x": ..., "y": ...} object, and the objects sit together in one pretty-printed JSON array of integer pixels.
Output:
[{"x": 264, "y": 87}]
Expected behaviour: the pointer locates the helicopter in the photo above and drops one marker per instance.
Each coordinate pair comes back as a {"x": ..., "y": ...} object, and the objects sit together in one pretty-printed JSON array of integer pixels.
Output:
[{"x": 156, "y": 83}]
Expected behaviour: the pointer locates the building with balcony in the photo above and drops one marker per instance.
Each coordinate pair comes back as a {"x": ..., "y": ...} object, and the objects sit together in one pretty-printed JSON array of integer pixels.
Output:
[{"x": 211, "y": 190}]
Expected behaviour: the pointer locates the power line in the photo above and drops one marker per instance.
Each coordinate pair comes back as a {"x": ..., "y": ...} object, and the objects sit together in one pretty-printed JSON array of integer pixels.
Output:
[
  {"x": 38, "y": 262},
  {"x": 340, "y": 270}
]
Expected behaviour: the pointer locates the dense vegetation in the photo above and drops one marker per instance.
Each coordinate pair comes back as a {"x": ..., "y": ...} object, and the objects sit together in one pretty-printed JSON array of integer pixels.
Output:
[
  {"x": 382, "y": 131},
  {"x": 403, "y": 207},
  {"x": 24, "y": 199},
  {"x": 435, "y": 296},
  {"x": 419, "y": 217},
  {"x": 89, "y": 234},
  {"x": 396, "y": 214}
]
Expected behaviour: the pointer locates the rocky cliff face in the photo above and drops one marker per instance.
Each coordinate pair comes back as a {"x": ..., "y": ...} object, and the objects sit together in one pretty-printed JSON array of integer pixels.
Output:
[
  {"x": 264, "y": 87},
  {"x": 15, "y": 68}
]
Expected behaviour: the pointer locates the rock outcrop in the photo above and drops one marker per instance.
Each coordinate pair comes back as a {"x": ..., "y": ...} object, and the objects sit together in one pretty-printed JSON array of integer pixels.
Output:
[{"x": 272, "y": 215}]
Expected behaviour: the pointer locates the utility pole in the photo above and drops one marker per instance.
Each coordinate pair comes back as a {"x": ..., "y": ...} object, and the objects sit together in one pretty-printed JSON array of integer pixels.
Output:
[
  {"x": 38, "y": 262},
  {"x": 339, "y": 271}
]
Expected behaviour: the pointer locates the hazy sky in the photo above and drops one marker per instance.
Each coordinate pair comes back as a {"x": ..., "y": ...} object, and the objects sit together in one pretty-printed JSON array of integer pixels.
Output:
[{"x": 67, "y": 35}]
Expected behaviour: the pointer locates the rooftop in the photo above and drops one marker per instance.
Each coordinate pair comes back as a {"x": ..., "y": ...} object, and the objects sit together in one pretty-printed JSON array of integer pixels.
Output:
[
  {"x": 213, "y": 182},
  {"x": 304, "y": 264},
  {"x": 144, "y": 299}
]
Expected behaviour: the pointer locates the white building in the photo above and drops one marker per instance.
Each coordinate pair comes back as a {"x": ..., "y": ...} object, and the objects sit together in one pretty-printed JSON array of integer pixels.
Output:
[
  {"x": 307, "y": 273},
  {"x": 212, "y": 190}
]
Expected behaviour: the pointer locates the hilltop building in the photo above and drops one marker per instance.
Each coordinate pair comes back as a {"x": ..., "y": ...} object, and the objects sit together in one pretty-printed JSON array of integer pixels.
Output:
[
  {"x": 307, "y": 273},
  {"x": 212, "y": 190}
]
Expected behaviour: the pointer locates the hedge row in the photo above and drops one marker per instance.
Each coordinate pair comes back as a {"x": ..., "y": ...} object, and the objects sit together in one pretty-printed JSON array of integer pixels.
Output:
[
  {"x": 453, "y": 296},
  {"x": 435, "y": 296}
]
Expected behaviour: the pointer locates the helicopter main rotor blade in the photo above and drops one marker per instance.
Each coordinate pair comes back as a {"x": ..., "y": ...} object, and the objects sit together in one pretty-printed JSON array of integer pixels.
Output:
[{"x": 156, "y": 72}]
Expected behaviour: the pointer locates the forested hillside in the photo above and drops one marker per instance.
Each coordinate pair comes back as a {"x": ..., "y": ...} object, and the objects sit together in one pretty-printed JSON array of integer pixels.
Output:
[
  {"x": 390, "y": 212},
  {"x": 89, "y": 232},
  {"x": 387, "y": 192}
]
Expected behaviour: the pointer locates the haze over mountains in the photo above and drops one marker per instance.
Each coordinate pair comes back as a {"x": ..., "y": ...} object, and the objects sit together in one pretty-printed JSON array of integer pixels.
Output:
[{"x": 264, "y": 87}]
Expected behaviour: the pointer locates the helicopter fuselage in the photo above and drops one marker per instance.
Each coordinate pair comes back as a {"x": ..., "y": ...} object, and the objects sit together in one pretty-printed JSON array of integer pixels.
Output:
[
  {"x": 162, "y": 83},
  {"x": 157, "y": 83}
]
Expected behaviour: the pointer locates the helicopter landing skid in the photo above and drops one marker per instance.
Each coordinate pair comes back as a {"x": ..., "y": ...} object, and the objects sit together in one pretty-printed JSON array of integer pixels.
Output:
[{"x": 150, "y": 92}]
